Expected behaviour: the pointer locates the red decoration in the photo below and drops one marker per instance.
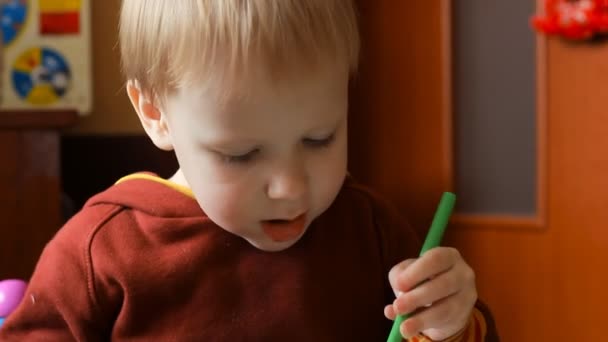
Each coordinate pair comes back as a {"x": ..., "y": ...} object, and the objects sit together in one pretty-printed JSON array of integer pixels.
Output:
[{"x": 573, "y": 19}]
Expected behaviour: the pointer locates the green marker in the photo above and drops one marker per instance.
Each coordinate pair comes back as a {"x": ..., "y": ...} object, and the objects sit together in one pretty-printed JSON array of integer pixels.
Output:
[{"x": 433, "y": 239}]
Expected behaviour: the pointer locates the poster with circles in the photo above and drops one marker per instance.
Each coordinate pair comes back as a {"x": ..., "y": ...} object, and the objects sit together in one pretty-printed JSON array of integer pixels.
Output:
[{"x": 46, "y": 62}]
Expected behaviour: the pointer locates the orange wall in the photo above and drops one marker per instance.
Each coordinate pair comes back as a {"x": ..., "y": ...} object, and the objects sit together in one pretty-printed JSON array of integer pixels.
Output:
[
  {"x": 397, "y": 126},
  {"x": 548, "y": 284},
  {"x": 543, "y": 283}
]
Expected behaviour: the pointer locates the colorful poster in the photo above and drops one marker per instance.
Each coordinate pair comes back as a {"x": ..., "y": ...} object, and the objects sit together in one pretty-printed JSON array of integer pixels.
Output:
[
  {"x": 59, "y": 16},
  {"x": 14, "y": 14},
  {"x": 41, "y": 76},
  {"x": 46, "y": 60}
]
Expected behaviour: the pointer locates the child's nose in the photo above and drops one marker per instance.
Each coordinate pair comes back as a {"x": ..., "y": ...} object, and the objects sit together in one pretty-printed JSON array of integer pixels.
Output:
[{"x": 289, "y": 183}]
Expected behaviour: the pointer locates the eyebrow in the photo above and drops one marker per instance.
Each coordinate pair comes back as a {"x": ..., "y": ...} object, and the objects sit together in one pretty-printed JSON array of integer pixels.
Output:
[
  {"x": 227, "y": 144},
  {"x": 219, "y": 144}
]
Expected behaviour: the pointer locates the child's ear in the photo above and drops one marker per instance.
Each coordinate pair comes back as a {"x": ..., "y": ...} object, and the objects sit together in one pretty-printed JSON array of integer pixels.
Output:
[{"x": 152, "y": 118}]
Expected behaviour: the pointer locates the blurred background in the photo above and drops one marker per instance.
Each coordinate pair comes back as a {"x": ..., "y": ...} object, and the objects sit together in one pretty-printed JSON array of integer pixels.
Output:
[{"x": 462, "y": 96}]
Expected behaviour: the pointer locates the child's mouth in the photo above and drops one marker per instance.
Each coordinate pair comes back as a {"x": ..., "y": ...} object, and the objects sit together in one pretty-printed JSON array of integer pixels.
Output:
[{"x": 284, "y": 230}]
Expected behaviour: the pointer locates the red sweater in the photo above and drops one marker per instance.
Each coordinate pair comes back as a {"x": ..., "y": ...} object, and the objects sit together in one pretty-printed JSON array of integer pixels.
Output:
[{"x": 142, "y": 262}]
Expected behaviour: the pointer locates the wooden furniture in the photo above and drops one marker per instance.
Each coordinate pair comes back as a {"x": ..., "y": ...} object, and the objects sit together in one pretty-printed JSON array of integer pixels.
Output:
[
  {"x": 542, "y": 276},
  {"x": 30, "y": 194}
]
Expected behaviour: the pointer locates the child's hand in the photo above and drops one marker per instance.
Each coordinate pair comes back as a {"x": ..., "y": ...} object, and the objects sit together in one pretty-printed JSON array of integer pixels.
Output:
[{"x": 444, "y": 301}]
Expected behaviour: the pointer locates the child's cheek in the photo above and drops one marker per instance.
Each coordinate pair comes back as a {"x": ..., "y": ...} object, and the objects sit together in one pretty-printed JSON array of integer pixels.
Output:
[{"x": 229, "y": 206}]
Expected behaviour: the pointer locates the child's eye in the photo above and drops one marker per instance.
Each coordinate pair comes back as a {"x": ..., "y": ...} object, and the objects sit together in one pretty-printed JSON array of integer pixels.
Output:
[
  {"x": 240, "y": 158},
  {"x": 319, "y": 142}
]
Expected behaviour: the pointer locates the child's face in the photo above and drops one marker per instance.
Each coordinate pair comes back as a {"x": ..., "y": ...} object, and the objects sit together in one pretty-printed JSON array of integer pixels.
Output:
[{"x": 267, "y": 160}]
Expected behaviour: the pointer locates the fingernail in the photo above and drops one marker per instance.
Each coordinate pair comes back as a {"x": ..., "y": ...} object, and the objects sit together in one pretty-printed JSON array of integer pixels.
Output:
[
  {"x": 396, "y": 308},
  {"x": 404, "y": 333}
]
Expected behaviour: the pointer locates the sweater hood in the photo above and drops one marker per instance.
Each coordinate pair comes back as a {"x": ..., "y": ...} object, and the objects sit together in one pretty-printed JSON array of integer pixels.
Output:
[{"x": 147, "y": 192}]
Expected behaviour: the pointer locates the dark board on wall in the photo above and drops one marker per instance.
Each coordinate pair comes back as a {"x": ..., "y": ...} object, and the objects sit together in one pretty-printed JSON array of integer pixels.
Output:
[{"x": 90, "y": 164}]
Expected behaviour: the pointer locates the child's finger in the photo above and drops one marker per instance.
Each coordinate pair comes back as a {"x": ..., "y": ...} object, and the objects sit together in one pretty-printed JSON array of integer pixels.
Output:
[
  {"x": 394, "y": 273},
  {"x": 445, "y": 313},
  {"x": 434, "y": 290},
  {"x": 432, "y": 263},
  {"x": 389, "y": 312}
]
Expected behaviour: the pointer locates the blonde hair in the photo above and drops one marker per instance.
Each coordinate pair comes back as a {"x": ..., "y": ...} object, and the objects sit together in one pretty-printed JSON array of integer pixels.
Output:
[{"x": 166, "y": 44}]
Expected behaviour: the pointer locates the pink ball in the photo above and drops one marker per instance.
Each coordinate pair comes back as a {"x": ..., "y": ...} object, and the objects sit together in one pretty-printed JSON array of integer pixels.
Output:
[{"x": 11, "y": 293}]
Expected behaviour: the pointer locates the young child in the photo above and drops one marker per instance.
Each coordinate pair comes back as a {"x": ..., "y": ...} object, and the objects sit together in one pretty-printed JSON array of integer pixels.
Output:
[{"x": 260, "y": 235}]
